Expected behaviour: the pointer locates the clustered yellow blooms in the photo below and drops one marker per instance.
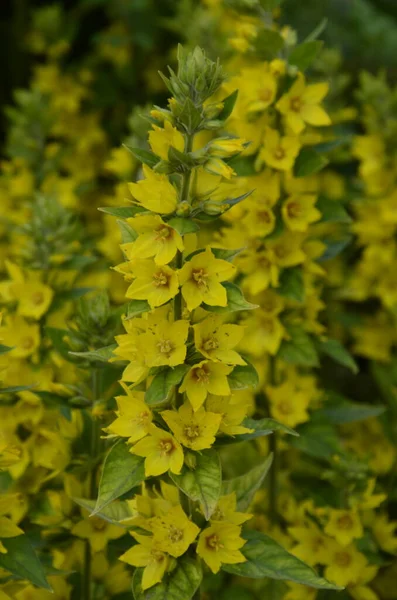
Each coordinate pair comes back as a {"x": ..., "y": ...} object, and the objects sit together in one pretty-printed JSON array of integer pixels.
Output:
[{"x": 179, "y": 285}]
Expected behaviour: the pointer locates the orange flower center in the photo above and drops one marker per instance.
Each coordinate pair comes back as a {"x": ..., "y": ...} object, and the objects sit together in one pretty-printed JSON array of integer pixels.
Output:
[
  {"x": 201, "y": 375},
  {"x": 37, "y": 298},
  {"x": 345, "y": 522},
  {"x": 294, "y": 210},
  {"x": 343, "y": 559},
  {"x": 175, "y": 535},
  {"x": 279, "y": 153},
  {"x": 165, "y": 346},
  {"x": 166, "y": 446},
  {"x": 160, "y": 279},
  {"x": 211, "y": 344},
  {"x": 265, "y": 94},
  {"x": 213, "y": 542},
  {"x": 264, "y": 215},
  {"x": 27, "y": 343},
  {"x": 163, "y": 233},
  {"x": 200, "y": 276},
  {"x": 192, "y": 431},
  {"x": 284, "y": 407},
  {"x": 296, "y": 104}
]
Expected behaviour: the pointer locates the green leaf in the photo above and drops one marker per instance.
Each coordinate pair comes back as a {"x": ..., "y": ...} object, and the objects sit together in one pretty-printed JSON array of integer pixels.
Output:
[
  {"x": 309, "y": 162},
  {"x": 332, "y": 211},
  {"x": 263, "y": 427},
  {"x": 78, "y": 263},
  {"x": 235, "y": 301},
  {"x": 163, "y": 383},
  {"x": 144, "y": 156},
  {"x": 122, "y": 212},
  {"x": 228, "y": 105},
  {"x": 183, "y": 226},
  {"x": 115, "y": 512},
  {"x": 292, "y": 285},
  {"x": 270, "y": 5},
  {"x": 21, "y": 560},
  {"x": 318, "y": 440},
  {"x": 74, "y": 293},
  {"x": 225, "y": 254},
  {"x": 338, "y": 410},
  {"x": 127, "y": 233},
  {"x": 242, "y": 377},
  {"x": 57, "y": 338},
  {"x": 203, "y": 483},
  {"x": 299, "y": 350},
  {"x": 179, "y": 584},
  {"x": 183, "y": 161},
  {"x": 266, "y": 558},
  {"x": 248, "y": 484},
  {"x": 303, "y": 55},
  {"x": 338, "y": 353},
  {"x": 121, "y": 472},
  {"x": 5, "y": 349},
  {"x": 243, "y": 165},
  {"x": 317, "y": 31},
  {"x": 102, "y": 354},
  {"x": 268, "y": 44},
  {"x": 335, "y": 247},
  {"x": 136, "y": 308},
  {"x": 13, "y": 389}
]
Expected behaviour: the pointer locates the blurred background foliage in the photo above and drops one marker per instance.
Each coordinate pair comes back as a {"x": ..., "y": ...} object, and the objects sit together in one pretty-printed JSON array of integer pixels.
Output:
[{"x": 363, "y": 30}]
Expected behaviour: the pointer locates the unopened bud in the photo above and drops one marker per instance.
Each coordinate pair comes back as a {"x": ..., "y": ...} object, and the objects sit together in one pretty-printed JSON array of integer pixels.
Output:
[
  {"x": 183, "y": 209},
  {"x": 190, "y": 460}
]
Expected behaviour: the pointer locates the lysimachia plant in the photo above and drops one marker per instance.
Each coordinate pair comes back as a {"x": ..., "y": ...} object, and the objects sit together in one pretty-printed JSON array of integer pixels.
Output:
[{"x": 183, "y": 376}]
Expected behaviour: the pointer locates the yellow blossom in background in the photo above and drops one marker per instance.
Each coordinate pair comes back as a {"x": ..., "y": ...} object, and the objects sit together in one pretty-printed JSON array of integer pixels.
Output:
[
  {"x": 278, "y": 151},
  {"x": 301, "y": 105}
]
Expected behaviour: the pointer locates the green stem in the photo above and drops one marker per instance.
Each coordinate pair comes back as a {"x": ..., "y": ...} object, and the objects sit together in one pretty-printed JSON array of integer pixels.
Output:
[
  {"x": 273, "y": 445},
  {"x": 92, "y": 491}
]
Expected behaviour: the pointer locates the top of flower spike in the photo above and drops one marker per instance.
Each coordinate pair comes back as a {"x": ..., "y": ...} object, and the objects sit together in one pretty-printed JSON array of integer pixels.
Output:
[{"x": 197, "y": 79}]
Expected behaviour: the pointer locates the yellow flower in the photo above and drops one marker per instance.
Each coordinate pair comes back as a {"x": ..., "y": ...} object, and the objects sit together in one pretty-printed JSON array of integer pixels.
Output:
[
  {"x": 165, "y": 344},
  {"x": 203, "y": 379},
  {"x": 195, "y": 430},
  {"x": 260, "y": 269},
  {"x": 216, "y": 166},
  {"x": 155, "y": 192},
  {"x": 216, "y": 340},
  {"x": 120, "y": 162},
  {"x": 154, "y": 283},
  {"x": 200, "y": 279},
  {"x": 345, "y": 564},
  {"x": 133, "y": 416},
  {"x": 146, "y": 554},
  {"x": 8, "y": 529},
  {"x": 298, "y": 212},
  {"x": 162, "y": 452},
  {"x": 97, "y": 531},
  {"x": 286, "y": 250},
  {"x": 360, "y": 590},
  {"x": 287, "y": 404},
  {"x": 219, "y": 544},
  {"x": 156, "y": 239},
  {"x": 225, "y": 147},
  {"x": 226, "y": 511},
  {"x": 278, "y": 151},
  {"x": 233, "y": 410},
  {"x": 344, "y": 526},
  {"x": 161, "y": 140},
  {"x": 300, "y": 105},
  {"x": 20, "y": 335},
  {"x": 33, "y": 297},
  {"x": 173, "y": 532},
  {"x": 385, "y": 533},
  {"x": 312, "y": 545}
]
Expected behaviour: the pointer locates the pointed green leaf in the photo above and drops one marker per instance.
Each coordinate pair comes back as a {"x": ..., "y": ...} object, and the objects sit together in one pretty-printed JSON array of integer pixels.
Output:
[
  {"x": 299, "y": 349},
  {"x": 102, "y": 354},
  {"x": 242, "y": 377},
  {"x": 225, "y": 254},
  {"x": 292, "y": 285},
  {"x": 183, "y": 226},
  {"x": 246, "y": 486},
  {"x": 228, "y": 105},
  {"x": 268, "y": 44},
  {"x": 14, "y": 389},
  {"x": 335, "y": 350},
  {"x": 266, "y": 558},
  {"x": 338, "y": 410},
  {"x": 303, "y": 55},
  {"x": 179, "y": 584},
  {"x": 136, "y": 308},
  {"x": 260, "y": 428},
  {"x": 309, "y": 162},
  {"x": 163, "y": 383},
  {"x": 122, "y": 212},
  {"x": 203, "y": 483},
  {"x": 332, "y": 211},
  {"x": 144, "y": 156},
  {"x": 22, "y": 561},
  {"x": 5, "y": 349},
  {"x": 235, "y": 301},
  {"x": 317, "y": 31},
  {"x": 121, "y": 472},
  {"x": 115, "y": 512},
  {"x": 127, "y": 233},
  {"x": 335, "y": 247}
]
